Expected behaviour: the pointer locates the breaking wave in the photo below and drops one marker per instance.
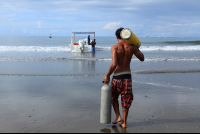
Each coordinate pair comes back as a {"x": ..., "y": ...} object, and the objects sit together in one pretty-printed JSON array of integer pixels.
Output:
[
  {"x": 98, "y": 48},
  {"x": 175, "y": 42},
  {"x": 34, "y": 48},
  {"x": 92, "y": 59}
]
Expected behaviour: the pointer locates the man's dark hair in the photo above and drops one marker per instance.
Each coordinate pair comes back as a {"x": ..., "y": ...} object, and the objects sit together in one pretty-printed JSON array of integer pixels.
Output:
[{"x": 117, "y": 33}]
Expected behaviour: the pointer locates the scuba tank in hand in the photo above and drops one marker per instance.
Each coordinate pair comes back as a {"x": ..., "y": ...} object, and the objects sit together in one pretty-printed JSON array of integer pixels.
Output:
[{"x": 106, "y": 104}]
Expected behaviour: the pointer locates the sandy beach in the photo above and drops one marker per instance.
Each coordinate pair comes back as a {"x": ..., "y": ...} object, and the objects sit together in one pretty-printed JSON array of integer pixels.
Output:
[{"x": 58, "y": 104}]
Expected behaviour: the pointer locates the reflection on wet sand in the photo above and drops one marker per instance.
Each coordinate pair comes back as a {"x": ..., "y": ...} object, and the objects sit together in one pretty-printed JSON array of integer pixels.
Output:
[
  {"x": 123, "y": 130},
  {"x": 84, "y": 64},
  {"x": 114, "y": 128},
  {"x": 105, "y": 130},
  {"x": 81, "y": 55}
]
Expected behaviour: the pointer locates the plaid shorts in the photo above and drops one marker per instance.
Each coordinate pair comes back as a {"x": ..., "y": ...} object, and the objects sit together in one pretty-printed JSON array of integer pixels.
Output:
[{"x": 123, "y": 87}]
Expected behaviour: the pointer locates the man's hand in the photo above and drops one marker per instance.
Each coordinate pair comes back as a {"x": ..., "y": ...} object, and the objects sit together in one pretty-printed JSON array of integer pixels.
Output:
[{"x": 106, "y": 80}]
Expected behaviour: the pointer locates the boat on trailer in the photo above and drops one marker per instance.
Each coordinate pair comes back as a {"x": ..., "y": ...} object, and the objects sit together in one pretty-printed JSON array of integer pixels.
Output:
[{"x": 81, "y": 45}]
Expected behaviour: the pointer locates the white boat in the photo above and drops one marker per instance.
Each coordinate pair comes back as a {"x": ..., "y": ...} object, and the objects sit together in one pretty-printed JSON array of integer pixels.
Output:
[{"x": 82, "y": 45}]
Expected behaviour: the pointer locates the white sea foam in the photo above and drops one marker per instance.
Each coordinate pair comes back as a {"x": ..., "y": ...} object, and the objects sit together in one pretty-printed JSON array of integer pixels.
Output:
[
  {"x": 33, "y": 48},
  {"x": 102, "y": 48},
  {"x": 92, "y": 59},
  {"x": 98, "y": 48},
  {"x": 170, "y": 48},
  {"x": 172, "y": 59},
  {"x": 161, "y": 48}
]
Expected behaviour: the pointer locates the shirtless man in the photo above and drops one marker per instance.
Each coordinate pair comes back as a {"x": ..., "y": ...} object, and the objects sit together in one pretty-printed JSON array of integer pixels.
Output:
[{"x": 121, "y": 83}]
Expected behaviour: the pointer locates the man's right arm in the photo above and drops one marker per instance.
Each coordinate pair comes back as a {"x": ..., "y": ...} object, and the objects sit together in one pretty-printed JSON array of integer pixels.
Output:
[
  {"x": 112, "y": 66},
  {"x": 139, "y": 54}
]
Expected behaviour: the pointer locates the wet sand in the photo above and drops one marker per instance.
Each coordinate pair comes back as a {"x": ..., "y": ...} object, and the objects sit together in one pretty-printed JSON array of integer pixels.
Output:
[{"x": 55, "y": 104}]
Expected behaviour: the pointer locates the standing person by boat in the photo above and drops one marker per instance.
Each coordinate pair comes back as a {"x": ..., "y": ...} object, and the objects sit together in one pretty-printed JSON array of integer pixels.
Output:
[
  {"x": 93, "y": 45},
  {"x": 88, "y": 39}
]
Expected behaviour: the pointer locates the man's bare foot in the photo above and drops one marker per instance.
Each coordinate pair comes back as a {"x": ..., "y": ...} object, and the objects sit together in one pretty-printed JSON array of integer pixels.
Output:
[
  {"x": 123, "y": 125},
  {"x": 117, "y": 120}
]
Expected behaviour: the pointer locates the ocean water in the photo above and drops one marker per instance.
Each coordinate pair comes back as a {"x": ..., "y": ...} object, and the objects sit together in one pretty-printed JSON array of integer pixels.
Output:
[{"x": 45, "y": 56}]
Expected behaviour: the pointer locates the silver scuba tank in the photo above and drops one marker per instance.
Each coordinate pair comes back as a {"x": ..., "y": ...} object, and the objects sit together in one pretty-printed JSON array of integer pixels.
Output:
[{"x": 106, "y": 104}]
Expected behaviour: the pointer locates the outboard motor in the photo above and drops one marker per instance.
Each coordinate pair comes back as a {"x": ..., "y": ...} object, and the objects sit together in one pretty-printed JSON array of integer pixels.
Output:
[{"x": 81, "y": 44}]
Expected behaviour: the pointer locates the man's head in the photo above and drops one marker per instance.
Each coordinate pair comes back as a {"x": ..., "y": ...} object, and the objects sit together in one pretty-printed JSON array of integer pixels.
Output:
[{"x": 117, "y": 33}]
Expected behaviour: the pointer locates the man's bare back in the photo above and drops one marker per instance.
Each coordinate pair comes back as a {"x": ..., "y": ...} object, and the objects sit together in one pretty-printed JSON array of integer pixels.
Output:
[{"x": 122, "y": 54}]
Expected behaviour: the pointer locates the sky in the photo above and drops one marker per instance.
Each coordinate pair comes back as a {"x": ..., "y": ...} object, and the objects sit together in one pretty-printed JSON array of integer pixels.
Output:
[{"x": 153, "y": 18}]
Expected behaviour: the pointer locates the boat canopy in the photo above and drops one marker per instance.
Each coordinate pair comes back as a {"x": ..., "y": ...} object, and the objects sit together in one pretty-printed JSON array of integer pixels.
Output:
[
  {"x": 73, "y": 34},
  {"x": 83, "y": 32}
]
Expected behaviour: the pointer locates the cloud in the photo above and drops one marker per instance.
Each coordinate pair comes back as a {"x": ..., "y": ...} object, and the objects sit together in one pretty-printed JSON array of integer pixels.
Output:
[
  {"x": 54, "y": 31},
  {"x": 112, "y": 25},
  {"x": 39, "y": 24},
  {"x": 13, "y": 30},
  {"x": 24, "y": 30},
  {"x": 145, "y": 17}
]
